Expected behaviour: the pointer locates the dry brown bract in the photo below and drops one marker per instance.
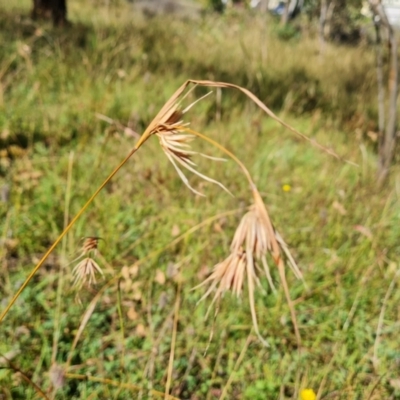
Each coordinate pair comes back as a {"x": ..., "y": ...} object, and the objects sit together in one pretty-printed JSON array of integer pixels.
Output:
[{"x": 90, "y": 244}]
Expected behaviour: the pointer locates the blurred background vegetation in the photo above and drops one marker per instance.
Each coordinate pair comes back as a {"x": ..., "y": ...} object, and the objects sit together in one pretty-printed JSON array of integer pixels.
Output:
[{"x": 114, "y": 59}]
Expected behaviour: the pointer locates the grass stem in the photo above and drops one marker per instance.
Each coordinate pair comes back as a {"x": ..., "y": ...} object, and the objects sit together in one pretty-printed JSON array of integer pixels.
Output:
[{"x": 173, "y": 342}]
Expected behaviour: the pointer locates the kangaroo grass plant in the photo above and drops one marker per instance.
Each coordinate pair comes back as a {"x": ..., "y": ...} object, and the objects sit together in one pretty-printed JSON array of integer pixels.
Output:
[{"x": 255, "y": 239}]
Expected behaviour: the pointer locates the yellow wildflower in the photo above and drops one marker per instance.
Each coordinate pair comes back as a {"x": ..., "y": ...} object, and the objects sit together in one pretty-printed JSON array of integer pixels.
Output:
[
  {"x": 308, "y": 394},
  {"x": 286, "y": 188}
]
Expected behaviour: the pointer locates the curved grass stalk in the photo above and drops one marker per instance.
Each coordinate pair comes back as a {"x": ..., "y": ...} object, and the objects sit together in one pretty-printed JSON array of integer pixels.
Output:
[{"x": 258, "y": 102}]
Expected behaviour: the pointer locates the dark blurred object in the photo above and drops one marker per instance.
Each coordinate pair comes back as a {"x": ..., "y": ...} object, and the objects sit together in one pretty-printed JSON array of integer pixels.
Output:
[
  {"x": 217, "y": 5},
  {"x": 51, "y": 9}
]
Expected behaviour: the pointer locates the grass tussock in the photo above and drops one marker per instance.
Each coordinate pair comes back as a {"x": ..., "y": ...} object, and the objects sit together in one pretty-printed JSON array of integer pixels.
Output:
[{"x": 140, "y": 329}]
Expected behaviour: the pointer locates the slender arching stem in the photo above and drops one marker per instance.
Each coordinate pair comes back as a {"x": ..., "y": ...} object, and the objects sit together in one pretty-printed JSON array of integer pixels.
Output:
[{"x": 69, "y": 226}]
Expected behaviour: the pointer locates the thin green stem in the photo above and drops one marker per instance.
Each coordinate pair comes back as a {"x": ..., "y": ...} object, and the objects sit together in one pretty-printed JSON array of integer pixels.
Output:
[
  {"x": 281, "y": 270},
  {"x": 121, "y": 325},
  {"x": 173, "y": 341}
]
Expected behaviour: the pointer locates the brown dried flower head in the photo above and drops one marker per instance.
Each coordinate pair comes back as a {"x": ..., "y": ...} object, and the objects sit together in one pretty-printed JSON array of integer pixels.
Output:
[
  {"x": 227, "y": 275},
  {"x": 90, "y": 245},
  {"x": 85, "y": 271},
  {"x": 175, "y": 142},
  {"x": 254, "y": 238}
]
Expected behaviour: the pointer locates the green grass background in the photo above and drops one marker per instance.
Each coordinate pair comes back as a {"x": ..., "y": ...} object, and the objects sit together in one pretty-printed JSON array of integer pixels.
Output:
[{"x": 342, "y": 229}]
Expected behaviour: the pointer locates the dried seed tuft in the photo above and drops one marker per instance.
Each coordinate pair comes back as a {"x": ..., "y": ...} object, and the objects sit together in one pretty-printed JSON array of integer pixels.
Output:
[
  {"x": 85, "y": 271},
  {"x": 254, "y": 238}
]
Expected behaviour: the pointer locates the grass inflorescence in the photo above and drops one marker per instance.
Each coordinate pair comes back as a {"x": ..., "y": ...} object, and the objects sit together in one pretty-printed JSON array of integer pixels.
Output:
[{"x": 140, "y": 330}]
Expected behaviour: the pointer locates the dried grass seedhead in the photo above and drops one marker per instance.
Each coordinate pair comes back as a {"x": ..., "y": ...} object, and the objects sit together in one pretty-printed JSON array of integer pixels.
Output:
[
  {"x": 169, "y": 127},
  {"x": 257, "y": 235},
  {"x": 227, "y": 275},
  {"x": 176, "y": 147},
  {"x": 85, "y": 271},
  {"x": 175, "y": 142},
  {"x": 254, "y": 238},
  {"x": 90, "y": 245}
]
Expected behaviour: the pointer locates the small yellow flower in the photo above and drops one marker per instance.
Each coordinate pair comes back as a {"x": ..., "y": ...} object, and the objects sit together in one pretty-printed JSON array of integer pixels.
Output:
[
  {"x": 286, "y": 188},
  {"x": 308, "y": 394}
]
